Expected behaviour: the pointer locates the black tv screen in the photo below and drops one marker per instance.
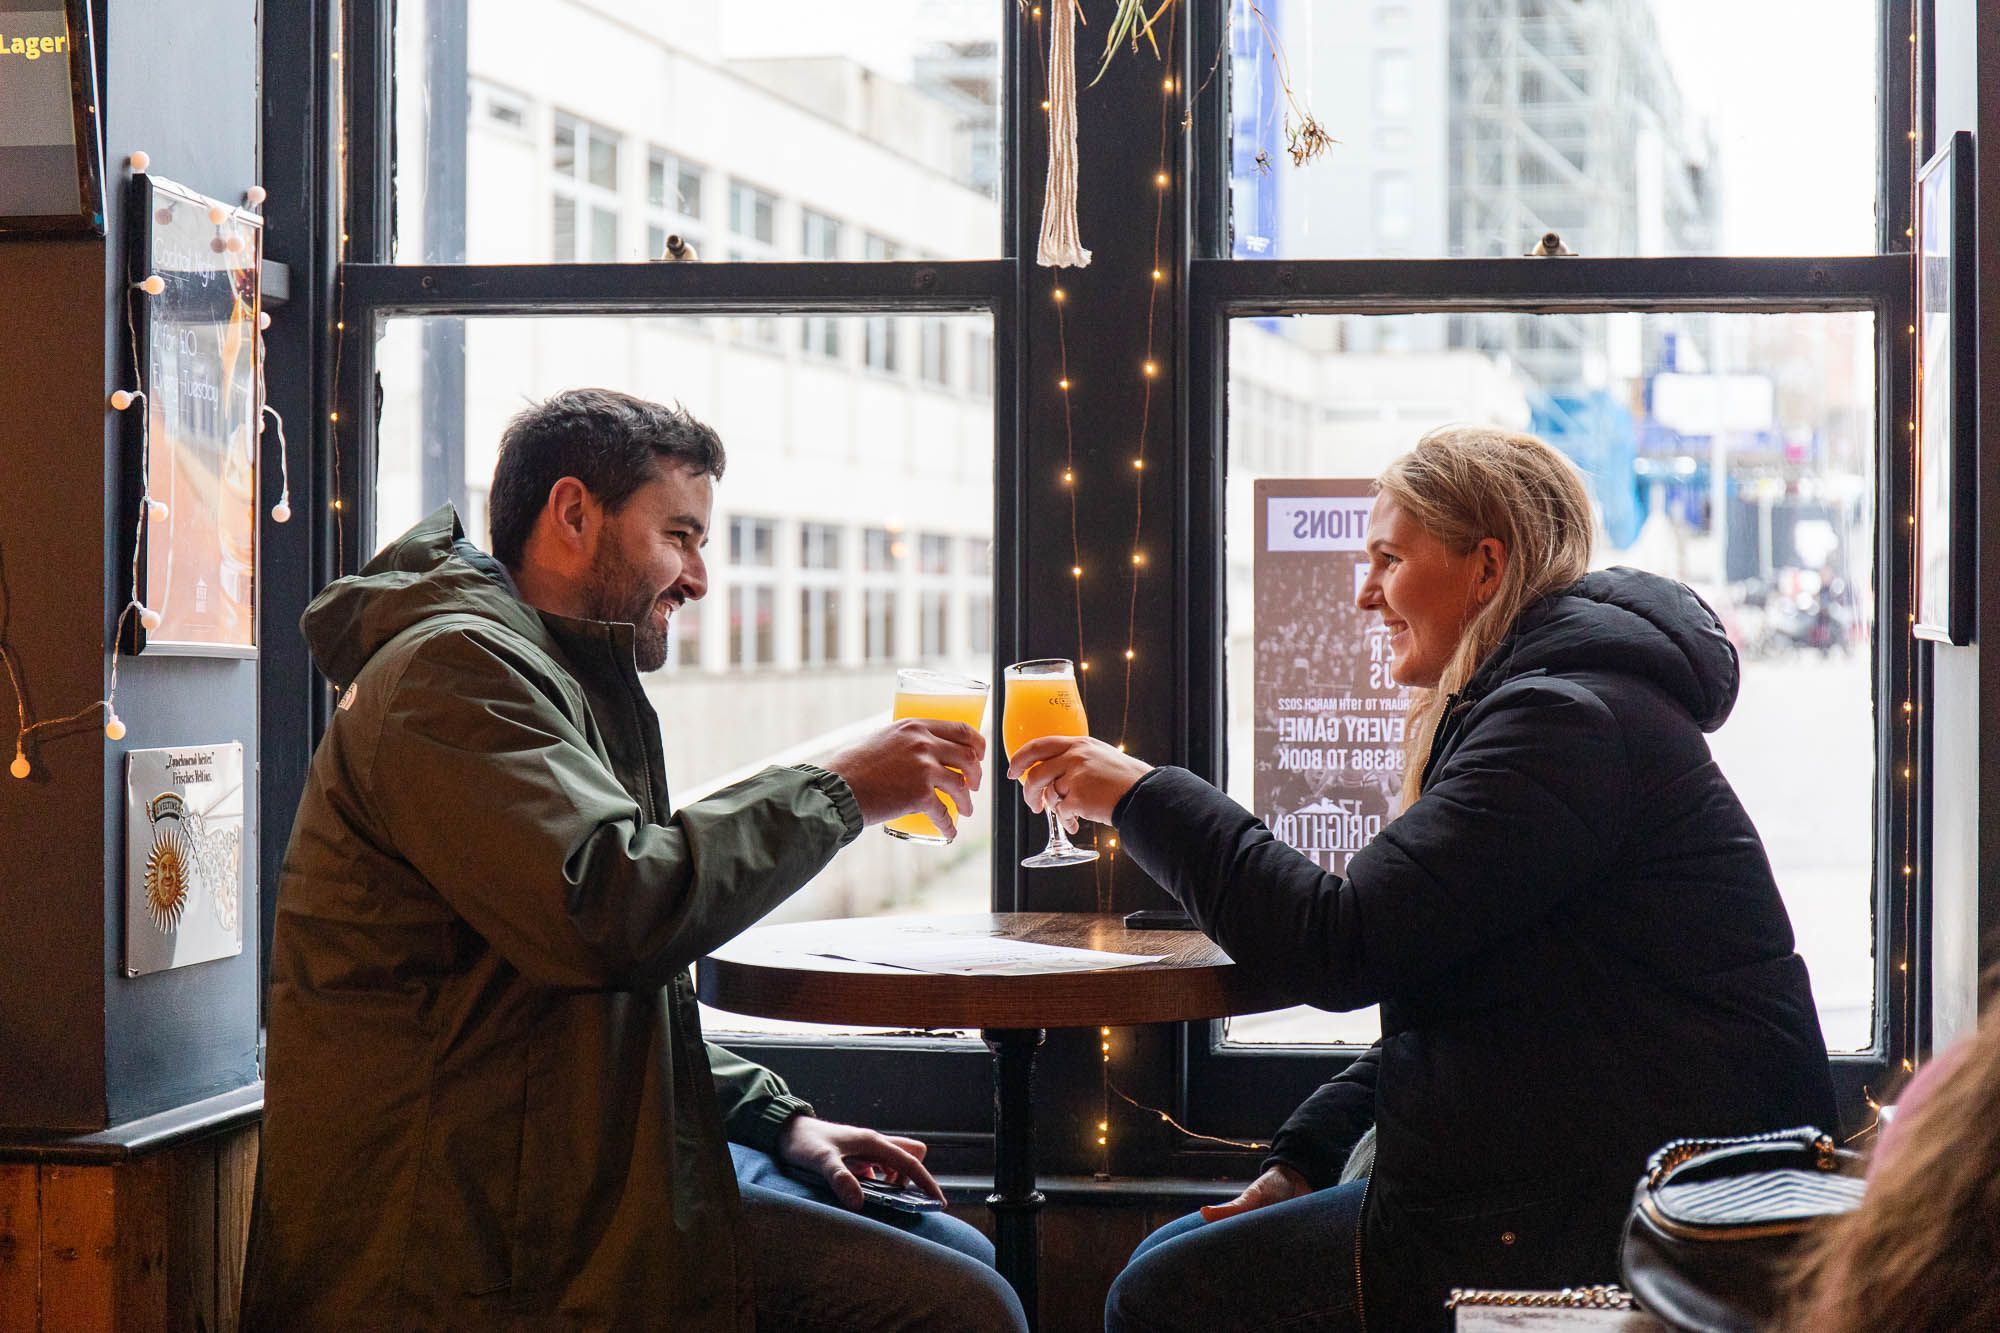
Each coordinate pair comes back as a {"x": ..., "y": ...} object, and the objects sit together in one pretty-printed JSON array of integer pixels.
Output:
[{"x": 48, "y": 125}]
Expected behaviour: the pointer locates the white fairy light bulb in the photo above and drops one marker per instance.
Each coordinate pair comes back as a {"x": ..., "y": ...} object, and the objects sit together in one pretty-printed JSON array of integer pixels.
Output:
[
  {"x": 121, "y": 399},
  {"x": 19, "y": 768},
  {"x": 234, "y": 244},
  {"x": 216, "y": 214},
  {"x": 254, "y": 195},
  {"x": 140, "y": 161},
  {"x": 263, "y": 320},
  {"x": 114, "y": 729},
  {"x": 156, "y": 510},
  {"x": 153, "y": 284},
  {"x": 149, "y": 618},
  {"x": 281, "y": 512}
]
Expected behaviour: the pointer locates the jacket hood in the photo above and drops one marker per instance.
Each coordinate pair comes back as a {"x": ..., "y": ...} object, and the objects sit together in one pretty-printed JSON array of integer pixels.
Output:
[
  {"x": 429, "y": 570},
  {"x": 1628, "y": 621}
]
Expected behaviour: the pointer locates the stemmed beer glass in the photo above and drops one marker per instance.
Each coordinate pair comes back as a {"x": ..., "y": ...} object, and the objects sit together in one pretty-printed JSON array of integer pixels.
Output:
[{"x": 1042, "y": 700}]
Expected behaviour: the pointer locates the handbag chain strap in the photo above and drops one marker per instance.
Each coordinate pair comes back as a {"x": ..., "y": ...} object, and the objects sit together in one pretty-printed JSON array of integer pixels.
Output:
[
  {"x": 1611, "y": 1297},
  {"x": 1682, "y": 1151}
]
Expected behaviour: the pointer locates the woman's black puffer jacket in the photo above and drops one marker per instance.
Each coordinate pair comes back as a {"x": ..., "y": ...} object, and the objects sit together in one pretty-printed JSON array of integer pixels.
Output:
[{"x": 1574, "y": 936}]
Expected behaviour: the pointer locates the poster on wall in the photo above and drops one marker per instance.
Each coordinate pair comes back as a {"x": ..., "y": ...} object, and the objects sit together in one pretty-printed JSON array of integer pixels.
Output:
[
  {"x": 183, "y": 856},
  {"x": 197, "y": 340},
  {"x": 51, "y": 164},
  {"x": 1329, "y": 721}
]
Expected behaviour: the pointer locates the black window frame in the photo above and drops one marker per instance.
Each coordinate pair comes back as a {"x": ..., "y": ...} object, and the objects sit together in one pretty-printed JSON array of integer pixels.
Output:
[{"x": 330, "y": 149}]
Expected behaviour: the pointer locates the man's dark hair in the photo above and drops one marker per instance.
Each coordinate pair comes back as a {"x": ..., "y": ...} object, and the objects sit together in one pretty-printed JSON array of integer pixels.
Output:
[{"x": 607, "y": 440}]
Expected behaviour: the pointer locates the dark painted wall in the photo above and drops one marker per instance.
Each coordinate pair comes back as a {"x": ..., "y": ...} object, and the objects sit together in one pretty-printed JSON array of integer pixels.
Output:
[{"x": 84, "y": 1045}]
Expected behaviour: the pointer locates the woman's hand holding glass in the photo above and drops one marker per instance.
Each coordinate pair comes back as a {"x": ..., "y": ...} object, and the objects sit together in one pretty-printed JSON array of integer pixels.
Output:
[{"x": 1087, "y": 776}]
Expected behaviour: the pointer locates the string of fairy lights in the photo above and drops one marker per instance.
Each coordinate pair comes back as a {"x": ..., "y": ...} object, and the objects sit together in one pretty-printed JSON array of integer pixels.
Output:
[
  {"x": 149, "y": 509},
  {"x": 1104, "y": 869}
]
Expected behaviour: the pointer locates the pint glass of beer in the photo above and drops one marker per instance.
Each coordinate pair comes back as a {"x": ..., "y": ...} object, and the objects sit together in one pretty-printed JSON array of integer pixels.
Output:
[{"x": 942, "y": 698}]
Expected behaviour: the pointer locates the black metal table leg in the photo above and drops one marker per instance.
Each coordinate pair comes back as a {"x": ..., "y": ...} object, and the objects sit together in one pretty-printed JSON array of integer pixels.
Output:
[{"x": 1015, "y": 1201}]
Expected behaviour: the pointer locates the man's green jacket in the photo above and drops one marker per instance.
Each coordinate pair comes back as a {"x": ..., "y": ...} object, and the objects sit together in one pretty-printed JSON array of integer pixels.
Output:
[{"x": 487, "y": 1098}]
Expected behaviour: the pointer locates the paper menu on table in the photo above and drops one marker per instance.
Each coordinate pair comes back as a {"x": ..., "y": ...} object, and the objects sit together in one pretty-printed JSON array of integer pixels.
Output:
[{"x": 976, "y": 955}]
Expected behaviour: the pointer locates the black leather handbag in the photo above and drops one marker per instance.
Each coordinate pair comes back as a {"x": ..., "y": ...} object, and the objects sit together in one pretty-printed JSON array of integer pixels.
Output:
[{"x": 1714, "y": 1222}]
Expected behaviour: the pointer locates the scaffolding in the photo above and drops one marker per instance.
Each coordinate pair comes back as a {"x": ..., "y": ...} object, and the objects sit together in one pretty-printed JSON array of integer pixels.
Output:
[{"x": 1565, "y": 117}]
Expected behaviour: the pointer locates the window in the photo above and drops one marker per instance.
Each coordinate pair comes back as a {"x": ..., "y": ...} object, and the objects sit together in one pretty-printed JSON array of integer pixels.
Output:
[
  {"x": 753, "y": 595},
  {"x": 819, "y": 593},
  {"x": 673, "y": 201},
  {"x": 584, "y": 206},
  {"x": 782, "y": 661},
  {"x": 879, "y": 335},
  {"x": 882, "y": 552},
  {"x": 753, "y": 218},
  {"x": 1504, "y": 119},
  {"x": 935, "y": 360},
  {"x": 1461, "y": 140},
  {"x": 896, "y": 128},
  {"x": 819, "y": 238}
]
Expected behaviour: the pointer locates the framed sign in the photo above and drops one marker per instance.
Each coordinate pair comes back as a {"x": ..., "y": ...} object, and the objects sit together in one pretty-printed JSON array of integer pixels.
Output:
[
  {"x": 51, "y": 151},
  {"x": 1947, "y": 475},
  {"x": 184, "y": 856},
  {"x": 196, "y": 441},
  {"x": 1329, "y": 721}
]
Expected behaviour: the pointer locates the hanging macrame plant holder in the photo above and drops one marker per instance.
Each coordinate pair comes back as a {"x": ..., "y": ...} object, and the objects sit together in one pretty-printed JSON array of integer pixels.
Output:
[{"x": 1061, "y": 246}]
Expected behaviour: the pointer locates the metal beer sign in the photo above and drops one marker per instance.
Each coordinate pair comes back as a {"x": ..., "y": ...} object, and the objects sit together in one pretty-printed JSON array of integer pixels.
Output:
[{"x": 1329, "y": 722}]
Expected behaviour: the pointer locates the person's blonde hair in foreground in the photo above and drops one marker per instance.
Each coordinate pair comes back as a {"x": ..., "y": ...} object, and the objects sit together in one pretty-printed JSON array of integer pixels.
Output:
[{"x": 1922, "y": 1251}]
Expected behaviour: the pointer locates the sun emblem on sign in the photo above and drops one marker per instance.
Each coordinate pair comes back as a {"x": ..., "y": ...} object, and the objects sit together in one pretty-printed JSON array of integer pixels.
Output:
[{"x": 169, "y": 864}]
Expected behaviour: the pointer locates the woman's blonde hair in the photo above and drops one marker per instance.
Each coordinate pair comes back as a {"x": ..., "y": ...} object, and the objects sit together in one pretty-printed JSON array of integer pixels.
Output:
[{"x": 1463, "y": 484}]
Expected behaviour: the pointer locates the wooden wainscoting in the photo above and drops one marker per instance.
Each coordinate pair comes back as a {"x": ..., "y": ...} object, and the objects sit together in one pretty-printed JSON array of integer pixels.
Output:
[{"x": 146, "y": 1243}]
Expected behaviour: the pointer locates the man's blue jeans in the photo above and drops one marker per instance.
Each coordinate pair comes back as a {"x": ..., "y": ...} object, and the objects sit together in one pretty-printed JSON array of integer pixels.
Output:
[
  {"x": 1286, "y": 1266},
  {"x": 821, "y": 1267}
]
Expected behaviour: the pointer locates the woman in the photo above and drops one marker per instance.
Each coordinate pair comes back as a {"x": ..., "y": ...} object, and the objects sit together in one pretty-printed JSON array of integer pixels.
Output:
[{"x": 1572, "y": 929}]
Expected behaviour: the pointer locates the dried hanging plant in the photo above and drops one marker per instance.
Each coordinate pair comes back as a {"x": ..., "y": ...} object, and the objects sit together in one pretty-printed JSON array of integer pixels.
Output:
[
  {"x": 1129, "y": 24},
  {"x": 1305, "y": 137}
]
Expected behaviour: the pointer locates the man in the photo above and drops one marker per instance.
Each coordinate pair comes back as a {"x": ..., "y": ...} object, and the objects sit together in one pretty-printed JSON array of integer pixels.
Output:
[{"x": 487, "y": 1099}]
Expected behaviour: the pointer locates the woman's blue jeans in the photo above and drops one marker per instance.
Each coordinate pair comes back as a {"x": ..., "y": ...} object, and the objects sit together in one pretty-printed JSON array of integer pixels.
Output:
[{"x": 1285, "y": 1266}]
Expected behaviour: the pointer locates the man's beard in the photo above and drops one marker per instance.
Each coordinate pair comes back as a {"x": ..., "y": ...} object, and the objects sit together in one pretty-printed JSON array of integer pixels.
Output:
[{"x": 617, "y": 593}]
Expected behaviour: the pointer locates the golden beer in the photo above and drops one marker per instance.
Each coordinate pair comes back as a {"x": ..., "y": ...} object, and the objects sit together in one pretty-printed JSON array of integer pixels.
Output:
[
  {"x": 1042, "y": 700},
  {"x": 941, "y": 698},
  {"x": 1038, "y": 706}
]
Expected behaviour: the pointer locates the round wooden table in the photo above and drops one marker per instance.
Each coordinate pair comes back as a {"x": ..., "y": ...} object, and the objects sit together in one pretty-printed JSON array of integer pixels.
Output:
[{"x": 771, "y": 972}]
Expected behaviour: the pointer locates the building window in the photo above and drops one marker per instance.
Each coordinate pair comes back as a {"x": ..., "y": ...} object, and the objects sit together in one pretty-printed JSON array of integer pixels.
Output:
[
  {"x": 935, "y": 626},
  {"x": 882, "y": 552},
  {"x": 819, "y": 238},
  {"x": 878, "y": 332},
  {"x": 685, "y": 638},
  {"x": 584, "y": 159},
  {"x": 753, "y": 221},
  {"x": 934, "y": 362},
  {"x": 674, "y": 190},
  {"x": 979, "y": 364},
  {"x": 753, "y": 624},
  {"x": 819, "y": 593},
  {"x": 979, "y": 623},
  {"x": 1395, "y": 77},
  {"x": 753, "y": 543}
]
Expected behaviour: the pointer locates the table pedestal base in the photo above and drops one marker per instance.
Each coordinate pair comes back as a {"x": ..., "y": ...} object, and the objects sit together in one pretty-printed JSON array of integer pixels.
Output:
[{"x": 1015, "y": 1201}]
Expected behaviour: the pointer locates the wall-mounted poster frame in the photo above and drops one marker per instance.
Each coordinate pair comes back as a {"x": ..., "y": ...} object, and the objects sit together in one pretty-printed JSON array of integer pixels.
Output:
[
  {"x": 51, "y": 147},
  {"x": 194, "y": 476},
  {"x": 1947, "y": 460}
]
